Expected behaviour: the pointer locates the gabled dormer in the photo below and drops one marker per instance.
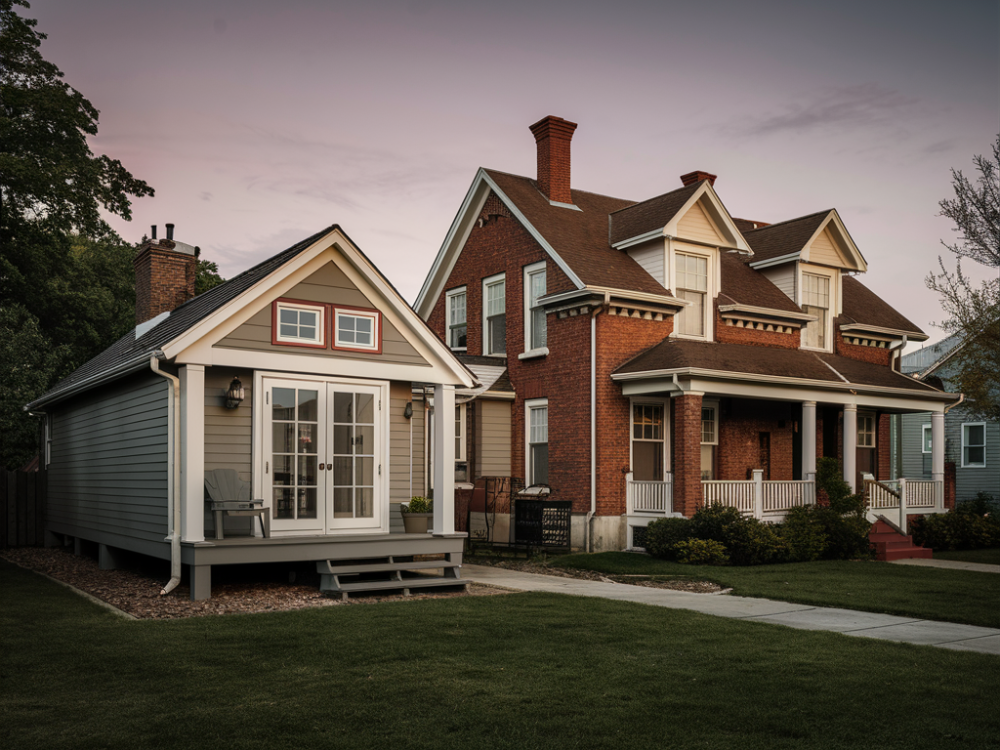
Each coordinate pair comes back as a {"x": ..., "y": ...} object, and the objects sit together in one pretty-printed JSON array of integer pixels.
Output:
[
  {"x": 807, "y": 258},
  {"x": 677, "y": 238}
]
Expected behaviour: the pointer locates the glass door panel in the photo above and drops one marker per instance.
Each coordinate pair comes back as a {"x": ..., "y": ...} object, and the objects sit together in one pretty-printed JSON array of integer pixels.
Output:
[
  {"x": 354, "y": 457},
  {"x": 293, "y": 438}
]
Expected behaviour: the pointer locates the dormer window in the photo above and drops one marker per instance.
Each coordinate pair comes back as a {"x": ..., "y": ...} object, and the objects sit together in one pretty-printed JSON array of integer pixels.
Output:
[
  {"x": 816, "y": 301},
  {"x": 692, "y": 285}
]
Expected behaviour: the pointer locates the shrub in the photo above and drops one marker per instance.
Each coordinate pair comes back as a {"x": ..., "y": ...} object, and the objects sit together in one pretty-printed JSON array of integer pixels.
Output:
[
  {"x": 830, "y": 480},
  {"x": 804, "y": 534},
  {"x": 712, "y": 521},
  {"x": 956, "y": 530},
  {"x": 750, "y": 542},
  {"x": 983, "y": 504},
  {"x": 700, "y": 552},
  {"x": 847, "y": 536},
  {"x": 663, "y": 533}
]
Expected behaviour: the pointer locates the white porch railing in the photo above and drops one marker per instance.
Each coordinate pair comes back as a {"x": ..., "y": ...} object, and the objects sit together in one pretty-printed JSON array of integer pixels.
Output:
[
  {"x": 756, "y": 497},
  {"x": 649, "y": 497},
  {"x": 904, "y": 496}
]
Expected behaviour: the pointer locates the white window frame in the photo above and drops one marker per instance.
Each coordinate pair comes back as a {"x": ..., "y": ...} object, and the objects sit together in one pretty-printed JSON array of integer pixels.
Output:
[
  {"x": 500, "y": 278},
  {"x": 832, "y": 312},
  {"x": 460, "y": 436},
  {"x": 373, "y": 315},
  {"x": 926, "y": 439},
  {"x": 529, "y": 330},
  {"x": 529, "y": 405},
  {"x": 665, "y": 404},
  {"x": 714, "y": 406},
  {"x": 319, "y": 309},
  {"x": 711, "y": 291},
  {"x": 459, "y": 292},
  {"x": 862, "y": 417},
  {"x": 965, "y": 445}
]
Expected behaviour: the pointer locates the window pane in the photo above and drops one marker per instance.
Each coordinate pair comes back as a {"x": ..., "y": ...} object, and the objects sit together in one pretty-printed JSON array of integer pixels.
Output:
[
  {"x": 814, "y": 334},
  {"x": 647, "y": 461},
  {"x": 498, "y": 334},
  {"x": 307, "y": 405},
  {"x": 283, "y": 400},
  {"x": 539, "y": 424},
  {"x": 691, "y": 320},
  {"x": 538, "y": 332},
  {"x": 928, "y": 439},
  {"x": 974, "y": 434},
  {"x": 366, "y": 408},
  {"x": 288, "y": 331},
  {"x": 458, "y": 337},
  {"x": 457, "y": 309},
  {"x": 288, "y": 316},
  {"x": 540, "y": 464},
  {"x": 495, "y": 302},
  {"x": 975, "y": 456}
]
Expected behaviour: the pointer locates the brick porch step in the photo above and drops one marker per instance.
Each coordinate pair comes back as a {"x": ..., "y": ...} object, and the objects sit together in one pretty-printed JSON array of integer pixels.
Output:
[{"x": 891, "y": 544}]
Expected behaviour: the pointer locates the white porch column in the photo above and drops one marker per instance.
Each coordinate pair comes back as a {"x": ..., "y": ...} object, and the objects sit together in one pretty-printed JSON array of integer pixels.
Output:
[
  {"x": 809, "y": 440},
  {"x": 444, "y": 459},
  {"x": 937, "y": 456},
  {"x": 192, "y": 456},
  {"x": 850, "y": 444}
]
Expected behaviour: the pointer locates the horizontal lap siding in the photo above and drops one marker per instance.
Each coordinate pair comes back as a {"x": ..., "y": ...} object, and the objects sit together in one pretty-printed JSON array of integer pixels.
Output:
[
  {"x": 109, "y": 460},
  {"x": 969, "y": 481},
  {"x": 228, "y": 432},
  {"x": 419, "y": 449},
  {"x": 399, "y": 453},
  {"x": 916, "y": 464},
  {"x": 493, "y": 438}
]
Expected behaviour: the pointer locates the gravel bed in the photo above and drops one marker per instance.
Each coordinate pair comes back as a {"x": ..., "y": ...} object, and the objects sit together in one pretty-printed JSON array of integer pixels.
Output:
[{"x": 135, "y": 588}]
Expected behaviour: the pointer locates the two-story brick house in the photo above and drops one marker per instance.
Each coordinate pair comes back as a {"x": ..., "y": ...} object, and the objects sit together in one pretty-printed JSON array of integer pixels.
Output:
[{"x": 662, "y": 353}]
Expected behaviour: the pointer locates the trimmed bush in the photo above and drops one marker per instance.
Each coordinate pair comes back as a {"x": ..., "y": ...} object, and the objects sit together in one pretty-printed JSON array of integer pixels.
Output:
[
  {"x": 712, "y": 521},
  {"x": 664, "y": 533},
  {"x": 804, "y": 534},
  {"x": 700, "y": 552},
  {"x": 750, "y": 542},
  {"x": 983, "y": 504},
  {"x": 956, "y": 530}
]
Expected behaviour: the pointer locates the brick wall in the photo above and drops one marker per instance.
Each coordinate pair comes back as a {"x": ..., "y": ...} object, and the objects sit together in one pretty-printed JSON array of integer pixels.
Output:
[
  {"x": 882, "y": 443},
  {"x": 870, "y": 354},
  {"x": 686, "y": 442},
  {"x": 733, "y": 334},
  {"x": 164, "y": 279},
  {"x": 741, "y": 423}
]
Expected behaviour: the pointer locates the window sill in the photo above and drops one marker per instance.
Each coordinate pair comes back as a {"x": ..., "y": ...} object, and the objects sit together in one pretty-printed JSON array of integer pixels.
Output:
[
  {"x": 459, "y": 349},
  {"x": 534, "y": 353}
]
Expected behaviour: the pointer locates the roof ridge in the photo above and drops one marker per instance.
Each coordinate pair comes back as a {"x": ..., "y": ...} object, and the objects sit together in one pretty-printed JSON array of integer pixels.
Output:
[
  {"x": 788, "y": 221},
  {"x": 575, "y": 190},
  {"x": 657, "y": 197}
]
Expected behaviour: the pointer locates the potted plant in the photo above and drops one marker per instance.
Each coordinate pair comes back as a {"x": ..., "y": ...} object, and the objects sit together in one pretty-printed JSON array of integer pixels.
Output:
[{"x": 417, "y": 514}]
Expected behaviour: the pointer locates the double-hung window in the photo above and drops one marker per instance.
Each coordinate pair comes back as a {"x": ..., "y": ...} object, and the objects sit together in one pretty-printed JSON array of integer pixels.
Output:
[
  {"x": 537, "y": 411},
  {"x": 457, "y": 327},
  {"x": 866, "y": 431},
  {"x": 816, "y": 301},
  {"x": 692, "y": 285},
  {"x": 648, "y": 441},
  {"x": 974, "y": 445},
  {"x": 927, "y": 439},
  {"x": 299, "y": 323},
  {"x": 709, "y": 440},
  {"x": 534, "y": 313},
  {"x": 494, "y": 315}
]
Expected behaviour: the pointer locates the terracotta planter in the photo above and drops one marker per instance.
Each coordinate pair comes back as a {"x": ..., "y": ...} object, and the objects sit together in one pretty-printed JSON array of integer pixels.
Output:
[{"x": 417, "y": 523}]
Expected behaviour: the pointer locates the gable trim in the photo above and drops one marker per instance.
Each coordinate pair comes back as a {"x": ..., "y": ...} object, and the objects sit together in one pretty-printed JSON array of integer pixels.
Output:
[
  {"x": 844, "y": 237},
  {"x": 727, "y": 225}
]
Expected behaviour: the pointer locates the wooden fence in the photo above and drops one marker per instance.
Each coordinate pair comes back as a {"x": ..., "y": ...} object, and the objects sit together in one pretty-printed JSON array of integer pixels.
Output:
[{"x": 22, "y": 504}]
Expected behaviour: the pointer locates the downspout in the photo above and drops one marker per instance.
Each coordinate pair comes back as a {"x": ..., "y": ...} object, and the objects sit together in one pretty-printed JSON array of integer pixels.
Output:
[
  {"x": 961, "y": 398},
  {"x": 173, "y": 498},
  {"x": 896, "y": 352},
  {"x": 589, "y": 524}
]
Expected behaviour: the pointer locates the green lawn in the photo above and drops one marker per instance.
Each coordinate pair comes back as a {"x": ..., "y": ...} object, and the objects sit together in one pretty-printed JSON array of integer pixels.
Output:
[
  {"x": 984, "y": 556},
  {"x": 927, "y": 593},
  {"x": 521, "y": 671}
]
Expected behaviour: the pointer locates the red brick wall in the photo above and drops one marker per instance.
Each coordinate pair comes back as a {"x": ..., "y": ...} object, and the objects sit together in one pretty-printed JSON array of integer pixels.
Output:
[
  {"x": 687, "y": 453},
  {"x": 858, "y": 352},
  {"x": 884, "y": 453},
  {"x": 726, "y": 334},
  {"x": 164, "y": 280},
  {"x": 740, "y": 424}
]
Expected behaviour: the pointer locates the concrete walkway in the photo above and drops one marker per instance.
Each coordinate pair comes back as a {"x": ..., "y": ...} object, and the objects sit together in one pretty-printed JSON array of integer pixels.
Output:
[
  {"x": 950, "y": 564},
  {"x": 846, "y": 621}
]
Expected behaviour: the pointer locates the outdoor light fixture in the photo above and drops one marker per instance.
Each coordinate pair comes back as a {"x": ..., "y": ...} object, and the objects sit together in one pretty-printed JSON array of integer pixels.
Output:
[
  {"x": 408, "y": 411},
  {"x": 234, "y": 396}
]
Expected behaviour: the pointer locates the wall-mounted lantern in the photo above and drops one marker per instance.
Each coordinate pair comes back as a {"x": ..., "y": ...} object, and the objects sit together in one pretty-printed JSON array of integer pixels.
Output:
[
  {"x": 408, "y": 411},
  {"x": 234, "y": 396}
]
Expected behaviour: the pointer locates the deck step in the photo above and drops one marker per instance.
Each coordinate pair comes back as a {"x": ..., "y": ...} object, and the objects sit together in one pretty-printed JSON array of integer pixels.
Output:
[
  {"x": 387, "y": 573},
  {"x": 330, "y": 567}
]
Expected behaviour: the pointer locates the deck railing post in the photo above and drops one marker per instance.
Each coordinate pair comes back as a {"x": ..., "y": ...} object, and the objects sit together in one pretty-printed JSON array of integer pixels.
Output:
[
  {"x": 629, "y": 499},
  {"x": 758, "y": 493},
  {"x": 902, "y": 504}
]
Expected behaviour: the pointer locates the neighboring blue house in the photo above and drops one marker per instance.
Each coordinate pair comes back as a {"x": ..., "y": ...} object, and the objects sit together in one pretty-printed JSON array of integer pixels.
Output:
[{"x": 973, "y": 444}]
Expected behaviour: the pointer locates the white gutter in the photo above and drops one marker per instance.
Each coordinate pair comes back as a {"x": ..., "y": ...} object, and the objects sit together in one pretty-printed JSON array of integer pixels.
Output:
[
  {"x": 896, "y": 347},
  {"x": 117, "y": 372},
  {"x": 173, "y": 458},
  {"x": 589, "y": 524}
]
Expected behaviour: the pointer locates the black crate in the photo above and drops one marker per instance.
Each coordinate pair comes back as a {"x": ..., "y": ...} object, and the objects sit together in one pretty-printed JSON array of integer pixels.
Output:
[{"x": 542, "y": 524}]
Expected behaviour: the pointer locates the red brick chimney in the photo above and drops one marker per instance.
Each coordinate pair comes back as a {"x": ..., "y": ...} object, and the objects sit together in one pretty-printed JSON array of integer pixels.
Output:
[
  {"x": 164, "y": 275},
  {"x": 692, "y": 177},
  {"x": 552, "y": 136}
]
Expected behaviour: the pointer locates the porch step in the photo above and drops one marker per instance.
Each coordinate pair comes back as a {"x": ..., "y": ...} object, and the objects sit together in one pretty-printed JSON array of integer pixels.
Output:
[
  {"x": 891, "y": 544},
  {"x": 386, "y": 574}
]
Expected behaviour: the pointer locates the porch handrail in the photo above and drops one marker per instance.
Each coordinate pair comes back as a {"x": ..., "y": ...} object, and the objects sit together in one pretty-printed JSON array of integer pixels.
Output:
[
  {"x": 904, "y": 495},
  {"x": 649, "y": 496},
  {"x": 787, "y": 494},
  {"x": 756, "y": 497},
  {"x": 737, "y": 494}
]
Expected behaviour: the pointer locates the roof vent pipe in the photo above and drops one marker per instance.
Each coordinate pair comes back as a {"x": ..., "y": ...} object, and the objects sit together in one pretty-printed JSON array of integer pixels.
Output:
[
  {"x": 154, "y": 231},
  {"x": 170, "y": 231}
]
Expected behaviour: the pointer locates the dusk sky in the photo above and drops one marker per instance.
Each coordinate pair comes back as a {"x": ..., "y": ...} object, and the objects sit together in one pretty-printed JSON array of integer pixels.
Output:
[{"x": 259, "y": 123}]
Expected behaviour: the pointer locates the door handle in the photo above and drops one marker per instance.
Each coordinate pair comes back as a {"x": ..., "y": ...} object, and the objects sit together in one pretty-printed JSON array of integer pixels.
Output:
[{"x": 322, "y": 467}]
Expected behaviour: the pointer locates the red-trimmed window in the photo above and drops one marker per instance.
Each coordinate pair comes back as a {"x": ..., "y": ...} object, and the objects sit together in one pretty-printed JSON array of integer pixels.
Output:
[
  {"x": 357, "y": 329},
  {"x": 298, "y": 323}
]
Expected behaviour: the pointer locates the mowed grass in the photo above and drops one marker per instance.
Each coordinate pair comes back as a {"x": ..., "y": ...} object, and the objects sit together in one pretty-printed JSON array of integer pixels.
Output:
[
  {"x": 925, "y": 593},
  {"x": 985, "y": 556},
  {"x": 521, "y": 671}
]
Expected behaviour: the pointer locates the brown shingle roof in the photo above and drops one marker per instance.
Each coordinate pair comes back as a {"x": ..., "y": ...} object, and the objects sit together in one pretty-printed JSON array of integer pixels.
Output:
[
  {"x": 579, "y": 237},
  {"x": 743, "y": 285},
  {"x": 862, "y": 305},
  {"x": 784, "y": 238},
  {"x": 650, "y": 215},
  {"x": 672, "y": 354}
]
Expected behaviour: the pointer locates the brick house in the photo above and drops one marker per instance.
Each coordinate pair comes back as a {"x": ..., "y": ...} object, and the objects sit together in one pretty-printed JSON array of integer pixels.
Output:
[{"x": 659, "y": 354}]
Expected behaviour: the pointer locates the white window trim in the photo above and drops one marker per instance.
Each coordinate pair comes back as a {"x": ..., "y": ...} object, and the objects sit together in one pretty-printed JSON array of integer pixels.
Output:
[
  {"x": 529, "y": 271},
  {"x": 372, "y": 315},
  {"x": 924, "y": 442},
  {"x": 862, "y": 415},
  {"x": 320, "y": 311},
  {"x": 833, "y": 312},
  {"x": 983, "y": 445},
  {"x": 529, "y": 404},
  {"x": 713, "y": 283},
  {"x": 665, "y": 403},
  {"x": 431, "y": 419},
  {"x": 487, "y": 282},
  {"x": 714, "y": 406},
  {"x": 462, "y": 430},
  {"x": 460, "y": 291}
]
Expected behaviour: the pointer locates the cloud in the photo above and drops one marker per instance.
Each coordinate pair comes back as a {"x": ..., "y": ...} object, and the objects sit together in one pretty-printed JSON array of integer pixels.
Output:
[{"x": 832, "y": 108}]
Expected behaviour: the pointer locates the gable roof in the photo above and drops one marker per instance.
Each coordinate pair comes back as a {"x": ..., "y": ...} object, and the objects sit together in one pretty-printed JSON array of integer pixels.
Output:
[
  {"x": 130, "y": 353},
  {"x": 783, "y": 238},
  {"x": 744, "y": 286},
  {"x": 865, "y": 310},
  {"x": 649, "y": 215}
]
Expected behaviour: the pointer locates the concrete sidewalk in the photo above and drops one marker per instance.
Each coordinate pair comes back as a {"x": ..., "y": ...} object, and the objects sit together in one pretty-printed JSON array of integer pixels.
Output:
[
  {"x": 950, "y": 564},
  {"x": 846, "y": 621}
]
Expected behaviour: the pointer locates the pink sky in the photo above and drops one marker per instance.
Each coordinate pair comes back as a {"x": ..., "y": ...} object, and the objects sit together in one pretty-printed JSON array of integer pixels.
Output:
[{"x": 259, "y": 123}]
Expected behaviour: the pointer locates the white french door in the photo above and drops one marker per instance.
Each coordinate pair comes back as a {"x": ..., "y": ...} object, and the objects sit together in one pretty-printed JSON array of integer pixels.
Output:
[{"x": 322, "y": 451}]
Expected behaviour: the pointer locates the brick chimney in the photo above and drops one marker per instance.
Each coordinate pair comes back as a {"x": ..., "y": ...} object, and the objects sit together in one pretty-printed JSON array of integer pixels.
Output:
[
  {"x": 552, "y": 136},
  {"x": 164, "y": 275},
  {"x": 692, "y": 177}
]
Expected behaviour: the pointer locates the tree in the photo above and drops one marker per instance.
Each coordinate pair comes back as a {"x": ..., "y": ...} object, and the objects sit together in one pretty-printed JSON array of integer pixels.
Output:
[
  {"x": 206, "y": 276},
  {"x": 974, "y": 312}
]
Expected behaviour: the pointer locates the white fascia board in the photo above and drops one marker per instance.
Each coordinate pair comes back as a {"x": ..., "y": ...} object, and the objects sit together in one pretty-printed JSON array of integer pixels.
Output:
[
  {"x": 699, "y": 379},
  {"x": 459, "y": 232},
  {"x": 768, "y": 311},
  {"x": 790, "y": 257},
  {"x": 708, "y": 192},
  {"x": 630, "y": 296},
  {"x": 655, "y": 234},
  {"x": 195, "y": 344},
  {"x": 893, "y": 332}
]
